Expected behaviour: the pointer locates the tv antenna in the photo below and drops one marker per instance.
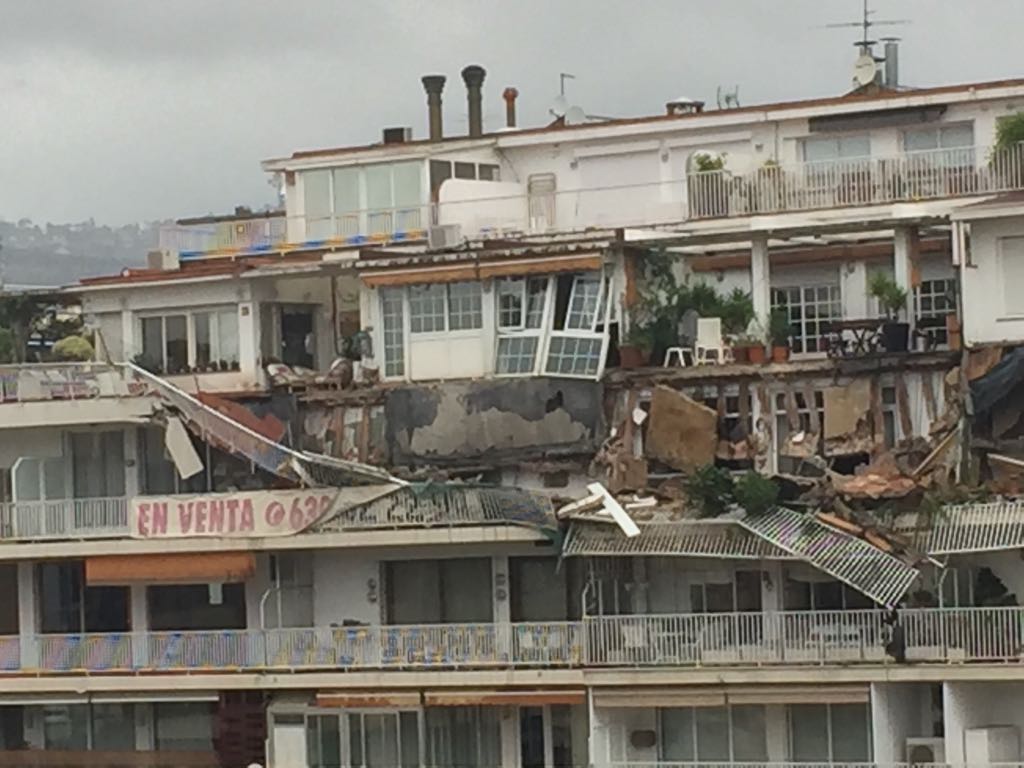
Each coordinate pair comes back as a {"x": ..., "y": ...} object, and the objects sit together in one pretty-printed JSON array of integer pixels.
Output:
[
  {"x": 865, "y": 24},
  {"x": 728, "y": 99},
  {"x": 561, "y": 105}
]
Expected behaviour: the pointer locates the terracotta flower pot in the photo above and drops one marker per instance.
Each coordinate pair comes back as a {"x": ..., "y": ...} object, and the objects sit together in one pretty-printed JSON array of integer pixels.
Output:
[
  {"x": 740, "y": 354},
  {"x": 632, "y": 357},
  {"x": 756, "y": 354},
  {"x": 780, "y": 354}
]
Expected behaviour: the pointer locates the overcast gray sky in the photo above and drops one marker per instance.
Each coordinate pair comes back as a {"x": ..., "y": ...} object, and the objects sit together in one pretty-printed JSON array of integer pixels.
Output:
[{"x": 129, "y": 110}]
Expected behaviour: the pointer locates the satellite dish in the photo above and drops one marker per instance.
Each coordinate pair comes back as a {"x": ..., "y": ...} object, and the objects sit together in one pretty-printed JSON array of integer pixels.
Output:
[
  {"x": 864, "y": 69},
  {"x": 575, "y": 116},
  {"x": 559, "y": 105}
]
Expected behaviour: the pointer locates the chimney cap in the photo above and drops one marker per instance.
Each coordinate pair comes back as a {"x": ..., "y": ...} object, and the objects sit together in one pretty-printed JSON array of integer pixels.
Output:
[
  {"x": 473, "y": 75},
  {"x": 510, "y": 94},
  {"x": 434, "y": 83}
]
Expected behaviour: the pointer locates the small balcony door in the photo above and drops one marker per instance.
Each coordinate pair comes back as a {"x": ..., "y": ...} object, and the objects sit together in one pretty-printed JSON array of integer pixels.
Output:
[{"x": 545, "y": 737}]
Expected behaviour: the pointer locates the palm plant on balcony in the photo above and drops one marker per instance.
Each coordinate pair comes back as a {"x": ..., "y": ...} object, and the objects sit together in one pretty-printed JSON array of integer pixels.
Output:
[
  {"x": 780, "y": 331},
  {"x": 892, "y": 300}
]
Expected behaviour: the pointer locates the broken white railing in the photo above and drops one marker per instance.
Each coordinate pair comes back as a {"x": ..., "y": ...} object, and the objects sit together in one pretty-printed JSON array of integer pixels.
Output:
[
  {"x": 33, "y": 382},
  {"x": 906, "y": 177}
]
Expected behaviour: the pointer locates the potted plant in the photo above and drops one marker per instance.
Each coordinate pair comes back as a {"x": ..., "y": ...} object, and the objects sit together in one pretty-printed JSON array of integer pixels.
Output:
[
  {"x": 749, "y": 348},
  {"x": 635, "y": 351},
  {"x": 892, "y": 299},
  {"x": 779, "y": 333},
  {"x": 737, "y": 311}
]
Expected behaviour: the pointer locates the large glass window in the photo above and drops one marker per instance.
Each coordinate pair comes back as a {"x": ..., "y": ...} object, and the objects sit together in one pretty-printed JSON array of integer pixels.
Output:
[
  {"x": 184, "y": 726},
  {"x": 426, "y": 308},
  {"x": 80, "y": 727},
  {"x": 463, "y": 736},
  {"x": 520, "y": 309},
  {"x": 374, "y": 199},
  {"x": 464, "y": 306},
  {"x": 436, "y": 307},
  {"x": 938, "y": 137},
  {"x": 713, "y": 734},
  {"x": 832, "y": 148},
  {"x": 439, "y": 591},
  {"x": 574, "y": 356},
  {"x": 934, "y": 300},
  {"x": 168, "y": 347},
  {"x": 810, "y": 310},
  {"x": 829, "y": 733}
]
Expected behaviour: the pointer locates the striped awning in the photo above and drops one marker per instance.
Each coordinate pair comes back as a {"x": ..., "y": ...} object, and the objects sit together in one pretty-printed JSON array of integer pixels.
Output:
[
  {"x": 879, "y": 575},
  {"x": 965, "y": 528},
  {"x": 684, "y": 538}
]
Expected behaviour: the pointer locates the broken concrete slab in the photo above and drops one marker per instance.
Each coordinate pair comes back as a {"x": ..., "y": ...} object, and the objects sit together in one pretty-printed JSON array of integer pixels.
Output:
[
  {"x": 681, "y": 432},
  {"x": 846, "y": 407}
]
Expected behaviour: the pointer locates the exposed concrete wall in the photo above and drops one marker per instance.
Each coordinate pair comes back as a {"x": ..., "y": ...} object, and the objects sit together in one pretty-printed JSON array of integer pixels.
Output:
[{"x": 488, "y": 419}]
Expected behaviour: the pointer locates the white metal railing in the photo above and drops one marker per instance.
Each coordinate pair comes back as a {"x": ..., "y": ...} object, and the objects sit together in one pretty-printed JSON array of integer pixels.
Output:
[
  {"x": 31, "y": 382},
  {"x": 258, "y": 232},
  {"x": 938, "y": 635},
  {"x": 64, "y": 519},
  {"x": 450, "y": 646},
  {"x": 908, "y": 177}
]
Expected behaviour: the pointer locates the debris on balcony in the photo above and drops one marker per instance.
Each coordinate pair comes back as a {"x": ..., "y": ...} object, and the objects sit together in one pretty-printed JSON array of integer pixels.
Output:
[
  {"x": 600, "y": 505},
  {"x": 682, "y": 432},
  {"x": 180, "y": 449}
]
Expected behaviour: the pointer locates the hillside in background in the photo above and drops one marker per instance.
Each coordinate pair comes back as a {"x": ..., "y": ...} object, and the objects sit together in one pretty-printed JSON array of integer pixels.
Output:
[{"x": 60, "y": 254}]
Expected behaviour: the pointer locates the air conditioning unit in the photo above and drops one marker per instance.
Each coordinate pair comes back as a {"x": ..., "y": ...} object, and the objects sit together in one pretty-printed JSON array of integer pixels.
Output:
[
  {"x": 444, "y": 236},
  {"x": 163, "y": 260},
  {"x": 922, "y": 750}
]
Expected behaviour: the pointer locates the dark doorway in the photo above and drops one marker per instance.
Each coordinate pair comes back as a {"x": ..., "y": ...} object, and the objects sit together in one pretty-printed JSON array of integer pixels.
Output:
[{"x": 298, "y": 342}]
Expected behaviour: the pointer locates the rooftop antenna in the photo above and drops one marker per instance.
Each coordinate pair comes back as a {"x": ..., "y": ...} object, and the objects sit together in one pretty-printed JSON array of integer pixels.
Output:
[
  {"x": 728, "y": 99},
  {"x": 561, "y": 104},
  {"x": 865, "y": 70}
]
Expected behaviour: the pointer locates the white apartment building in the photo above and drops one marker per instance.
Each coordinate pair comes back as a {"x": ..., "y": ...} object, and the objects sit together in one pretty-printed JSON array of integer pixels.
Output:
[{"x": 303, "y": 510}]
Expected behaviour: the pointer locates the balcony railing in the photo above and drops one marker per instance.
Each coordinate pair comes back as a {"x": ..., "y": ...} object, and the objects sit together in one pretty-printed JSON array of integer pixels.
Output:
[
  {"x": 452, "y": 646},
  {"x": 937, "y": 635},
  {"x": 64, "y": 519},
  {"x": 909, "y": 177},
  {"x": 257, "y": 233},
  {"x": 32, "y": 382}
]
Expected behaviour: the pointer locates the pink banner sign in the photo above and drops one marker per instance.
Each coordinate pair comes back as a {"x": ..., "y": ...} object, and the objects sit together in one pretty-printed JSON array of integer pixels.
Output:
[{"x": 250, "y": 514}]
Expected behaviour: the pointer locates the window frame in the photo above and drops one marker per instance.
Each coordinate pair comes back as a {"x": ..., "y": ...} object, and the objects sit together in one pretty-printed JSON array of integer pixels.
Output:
[
  {"x": 602, "y": 318},
  {"x": 830, "y": 730},
  {"x": 694, "y": 757},
  {"x": 506, "y": 335},
  {"x": 802, "y": 325},
  {"x": 191, "y": 341}
]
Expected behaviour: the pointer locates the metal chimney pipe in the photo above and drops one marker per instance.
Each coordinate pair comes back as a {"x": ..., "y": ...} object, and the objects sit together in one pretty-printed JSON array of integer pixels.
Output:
[
  {"x": 892, "y": 62},
  {"x": 433, "y": 85},
  {"x": 509, "y": 95},
  {"x": 473, "y": 77}
]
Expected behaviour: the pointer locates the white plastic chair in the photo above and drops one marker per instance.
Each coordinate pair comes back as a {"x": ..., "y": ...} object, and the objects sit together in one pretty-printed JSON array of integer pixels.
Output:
[{"x": 709, "y": 341}]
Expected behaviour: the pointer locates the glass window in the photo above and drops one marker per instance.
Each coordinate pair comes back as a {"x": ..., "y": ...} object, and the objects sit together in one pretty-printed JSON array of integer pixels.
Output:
[
  {"x": 510, "y": 303},
  {"x": 850, "y": 733},
  {"x": 316, "y": 186},
  {"x": 810, "y": 309},
  {"x": 1011, "y": 260},
  {"x": 426, "y": 308},
  {"x": 808, "y": 729},
  {"x": 677, "y": 739},
  {"x": 536, "y": 293},
  {"x": 749, "y": 734},
  {"x": 586, "y": 293},
  {"x": 323, "y": 742},
  {"x": 463, "y": 736},
  {"x": 832, "y": 148},
  {"x": 66, "y": 727},
  {"x": 185, "y": 726},
  {"x": 113, "y": 727},
  {"x": 516, "y": 355},
  {"x": 378, "y": 187},
  {"x": 153, "y": 343},
  {"x": 176, "y": 343},
  {"x": 464, "y": 306},
  {"x": 346, "y": 190},
  {"x": 227, "y": 335},
  {"x": 712, "y": 724},
  {"x": 940, "y": 137},
  {"x": 392, "y": 311},
  {"x": 204, "y": 343},
  {"x": 574, "y": 356}
]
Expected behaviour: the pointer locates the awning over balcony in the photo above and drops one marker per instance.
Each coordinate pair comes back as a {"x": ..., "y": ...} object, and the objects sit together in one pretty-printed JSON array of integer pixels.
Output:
[
  {"x": 216, "y": 567},
  {"x": 684, "y": 538},
  {"x": 498, "y": 698},
  {"x": 483, "y": 270},
  {"x": 719, "y": 696},
  {"x": 371, "y": 700},
  {"x": 875, "y": 573}
]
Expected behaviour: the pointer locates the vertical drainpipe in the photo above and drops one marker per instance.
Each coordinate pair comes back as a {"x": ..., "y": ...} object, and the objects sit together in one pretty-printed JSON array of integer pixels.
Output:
[
  {"x": 473, "y": 77},
  {"x": 433, "y": 85}
]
